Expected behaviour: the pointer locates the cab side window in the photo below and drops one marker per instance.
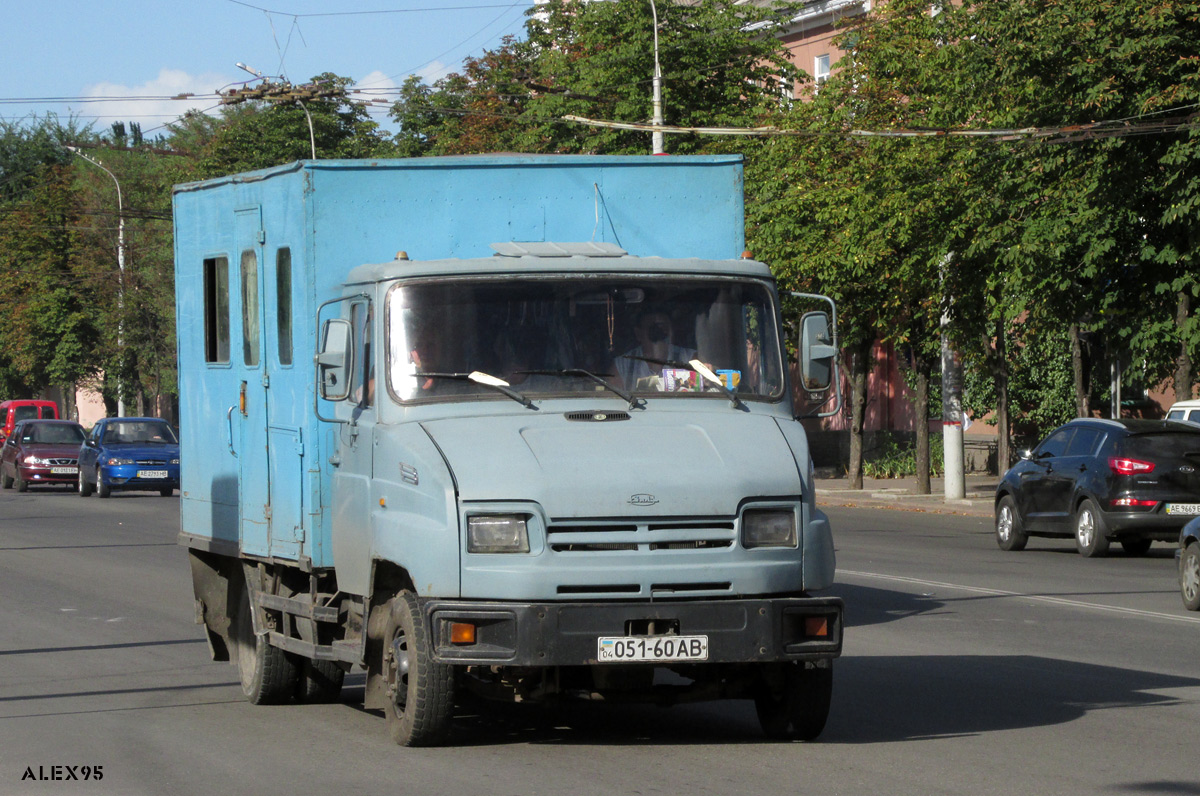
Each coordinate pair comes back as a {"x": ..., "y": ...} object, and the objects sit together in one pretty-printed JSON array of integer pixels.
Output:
[
  {"x": 1055, "y": 444},
  {"x": 1084, "y": 442}
]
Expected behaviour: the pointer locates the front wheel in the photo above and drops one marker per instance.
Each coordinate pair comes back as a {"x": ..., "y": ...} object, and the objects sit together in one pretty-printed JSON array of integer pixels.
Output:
[
  {"x": 1189, "y": 577},
  {"x": 6, "y": 481},
  {"x": 167, "y": 491},
  {"x": 85, "y": 487},
  {"x": 22, "y": 484},
  {"x": 102, "y": 489},
  {"x": 420, "y": 692},
  {"x": 1090, "y": 538},
  {"x": 793, "y": 701},
  {"x": 1010, "y": 533}
]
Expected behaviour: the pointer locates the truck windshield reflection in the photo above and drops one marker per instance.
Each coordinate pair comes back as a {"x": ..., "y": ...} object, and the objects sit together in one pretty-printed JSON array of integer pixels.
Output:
[{"x": 627, "y": 335}]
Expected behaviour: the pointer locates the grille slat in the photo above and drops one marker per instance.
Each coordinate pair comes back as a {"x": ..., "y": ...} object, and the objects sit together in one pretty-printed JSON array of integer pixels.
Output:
[{"x": 649, "y": 536}]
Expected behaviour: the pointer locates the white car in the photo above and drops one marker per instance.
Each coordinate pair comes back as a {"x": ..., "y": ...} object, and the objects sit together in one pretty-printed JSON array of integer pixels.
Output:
[{"x": 1188, "y": 411}]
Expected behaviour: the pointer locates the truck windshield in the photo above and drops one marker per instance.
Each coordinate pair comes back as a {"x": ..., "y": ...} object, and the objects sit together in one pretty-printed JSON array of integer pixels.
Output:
[{"x": 555, "y": 335}]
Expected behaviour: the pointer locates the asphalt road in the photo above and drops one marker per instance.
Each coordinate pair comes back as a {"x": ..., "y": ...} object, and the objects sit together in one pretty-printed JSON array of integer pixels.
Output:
[{"x": 966, "y": 670}]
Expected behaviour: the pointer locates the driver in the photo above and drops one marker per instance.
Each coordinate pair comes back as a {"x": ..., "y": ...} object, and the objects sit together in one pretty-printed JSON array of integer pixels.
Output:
[{"x": 653, "y": 332}]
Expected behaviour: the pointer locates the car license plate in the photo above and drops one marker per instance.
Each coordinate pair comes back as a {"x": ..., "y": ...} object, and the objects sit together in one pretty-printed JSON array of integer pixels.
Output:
[
  {"x": 642, "y": 649},
  {"x": 151, "y": 473},
  {"x": 64, "y": 470},
  {"x": 1183, "y": 508}
]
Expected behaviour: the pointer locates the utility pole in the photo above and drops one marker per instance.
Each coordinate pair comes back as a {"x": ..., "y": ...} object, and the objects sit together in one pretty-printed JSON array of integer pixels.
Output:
[
  {"x": 955, "y": 487},
  {"x": 121, "y": 271},
  {"x": 656, "y": 138}
]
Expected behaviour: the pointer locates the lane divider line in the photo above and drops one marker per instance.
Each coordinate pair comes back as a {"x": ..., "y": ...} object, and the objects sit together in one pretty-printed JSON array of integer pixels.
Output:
[{"x": 1042, "y": 598}]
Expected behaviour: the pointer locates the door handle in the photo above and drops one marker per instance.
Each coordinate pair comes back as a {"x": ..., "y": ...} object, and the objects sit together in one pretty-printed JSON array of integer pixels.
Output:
[{"x": 229, "y": 422}]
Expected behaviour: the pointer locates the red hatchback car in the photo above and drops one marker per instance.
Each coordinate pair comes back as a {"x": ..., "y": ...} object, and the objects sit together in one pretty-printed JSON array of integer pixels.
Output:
[{"x": 41, "y": 452}]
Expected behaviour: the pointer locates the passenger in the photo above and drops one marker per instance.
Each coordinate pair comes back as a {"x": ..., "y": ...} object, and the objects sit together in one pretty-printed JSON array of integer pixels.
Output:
[{"x": 654, "y": 335}]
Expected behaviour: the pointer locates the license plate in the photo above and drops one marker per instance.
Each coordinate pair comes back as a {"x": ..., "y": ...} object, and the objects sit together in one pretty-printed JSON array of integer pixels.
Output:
[
  {"x": 151, "y": 473},
  {"x": 64, "y": 470},
  {"x": 642, "y": 649},
  {"x": 1183, "y": 508}
]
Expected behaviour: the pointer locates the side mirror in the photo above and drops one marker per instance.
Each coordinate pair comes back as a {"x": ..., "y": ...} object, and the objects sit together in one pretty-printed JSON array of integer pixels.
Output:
[
  {"x": 335, "y": 360},
  {"x": 91, "y": 443},
  {"x": 817, "y": 352}
]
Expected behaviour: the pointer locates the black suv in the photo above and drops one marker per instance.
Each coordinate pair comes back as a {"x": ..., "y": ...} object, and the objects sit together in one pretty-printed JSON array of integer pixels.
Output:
[{"x": 1133, "y": 481}]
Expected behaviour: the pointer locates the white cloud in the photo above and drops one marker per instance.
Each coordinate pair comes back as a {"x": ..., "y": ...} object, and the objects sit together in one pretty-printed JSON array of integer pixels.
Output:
[{"x": 150, "y": 103}]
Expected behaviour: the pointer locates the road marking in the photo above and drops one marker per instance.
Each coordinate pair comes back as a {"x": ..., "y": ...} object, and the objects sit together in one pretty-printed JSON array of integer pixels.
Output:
[{"x": 1041, "y": 598}]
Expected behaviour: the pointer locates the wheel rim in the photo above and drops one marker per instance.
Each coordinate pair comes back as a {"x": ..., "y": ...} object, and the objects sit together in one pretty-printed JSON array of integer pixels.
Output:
[
  {"x": 1191, "y": 577},
  {"x": 399, "y": 665},
  {"x": 1085, "y": 531},
  {"x": 1004, "y": 523}
]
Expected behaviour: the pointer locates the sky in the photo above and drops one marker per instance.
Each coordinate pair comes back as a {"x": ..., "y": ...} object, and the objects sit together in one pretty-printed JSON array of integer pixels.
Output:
[{"x": 122, "y": 60}]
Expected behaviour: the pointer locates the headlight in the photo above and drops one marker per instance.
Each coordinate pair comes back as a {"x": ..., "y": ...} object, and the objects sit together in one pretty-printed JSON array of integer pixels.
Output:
[
  {"x": 36, "y": 460},
  {"x": 768, "y": 528},
  {"x": 118, "y": 460},
  {"x": 497, "y": 533}
]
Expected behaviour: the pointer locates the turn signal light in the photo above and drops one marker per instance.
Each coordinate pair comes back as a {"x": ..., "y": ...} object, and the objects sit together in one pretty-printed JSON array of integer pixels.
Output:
[
  {"x": 816, "y": 627},
  {"x": 462, "y": 633}
]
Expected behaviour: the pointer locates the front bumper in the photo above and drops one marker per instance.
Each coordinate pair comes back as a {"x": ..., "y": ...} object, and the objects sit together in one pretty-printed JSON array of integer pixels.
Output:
[
  {"x": 38, "y": 474},
  {"x": 132, "y": 476},
  {"x": 566, "y": 634}
]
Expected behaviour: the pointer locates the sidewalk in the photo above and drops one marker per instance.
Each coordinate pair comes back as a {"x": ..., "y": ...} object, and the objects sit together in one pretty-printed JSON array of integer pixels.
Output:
[{"x": 901, "y": 494}]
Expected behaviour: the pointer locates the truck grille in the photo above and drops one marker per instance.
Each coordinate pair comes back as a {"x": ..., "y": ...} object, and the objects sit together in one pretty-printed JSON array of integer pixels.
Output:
[{"x": 648, "y": 535}]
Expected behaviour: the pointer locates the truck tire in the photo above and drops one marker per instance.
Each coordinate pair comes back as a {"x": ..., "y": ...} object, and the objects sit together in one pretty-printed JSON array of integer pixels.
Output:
[
  {"x": 102, "y": 489},
  {"x": 1189, "y": 577},
  {"x": 268, "y": 674},
  {"x": 320, "y": 682},
  {"x": 1010, "y": 532},
  {"x": 793, "y": 703},
  {"x": 420, "y": 692},
  {"x": 85, "y": 488},
  {"x": 1091, "y": 538}
]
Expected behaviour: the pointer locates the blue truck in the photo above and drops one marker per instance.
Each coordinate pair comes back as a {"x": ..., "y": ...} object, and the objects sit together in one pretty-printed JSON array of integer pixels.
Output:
[{"x": 513, "y": 426}]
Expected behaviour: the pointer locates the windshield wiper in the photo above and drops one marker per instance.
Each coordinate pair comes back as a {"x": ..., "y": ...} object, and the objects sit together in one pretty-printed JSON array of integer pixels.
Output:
[
  {"x": 634, "y": 403},
  {"x": 478, "y": 377},
  {"x": 696, "y": 366}
]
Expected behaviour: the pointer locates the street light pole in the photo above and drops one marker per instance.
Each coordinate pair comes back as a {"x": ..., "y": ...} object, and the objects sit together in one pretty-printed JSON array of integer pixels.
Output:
[
  {"x": 656, "y": 138},
  {"x": 120, "y": 268}
]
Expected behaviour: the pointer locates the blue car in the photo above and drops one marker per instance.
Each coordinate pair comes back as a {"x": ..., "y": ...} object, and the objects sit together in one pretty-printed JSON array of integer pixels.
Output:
[{"x": 129, "y": 453}]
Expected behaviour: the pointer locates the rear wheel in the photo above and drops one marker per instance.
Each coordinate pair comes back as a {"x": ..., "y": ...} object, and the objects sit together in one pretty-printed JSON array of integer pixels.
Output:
[
  {"x": 1090, "y": 538},
  {"x": 268, "y": 674},
  {"x": 320, "y": 681},
  {"x": 1010, "y": 533},
  {"x": 1136, "y": 547},
  {"x": 85, "y": 488},
  {"x": 102, "y": 489},
  {"x": 1189, "y": 576},
  {"x": 793, "y": 701},
  {"x": 420, "y": 692}
]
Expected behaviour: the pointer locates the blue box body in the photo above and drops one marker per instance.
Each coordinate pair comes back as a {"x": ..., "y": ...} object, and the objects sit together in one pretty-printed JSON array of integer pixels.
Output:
[{"x": 262, "y": 487}]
